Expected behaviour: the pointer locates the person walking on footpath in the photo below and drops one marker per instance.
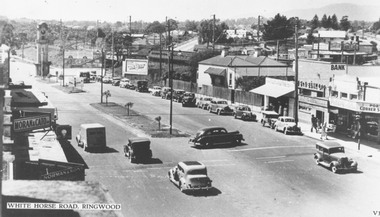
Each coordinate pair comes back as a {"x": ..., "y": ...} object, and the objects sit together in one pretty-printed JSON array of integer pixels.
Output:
[
  {"x": 324, "y": 131},
  {"x": 314, "y": 124}
]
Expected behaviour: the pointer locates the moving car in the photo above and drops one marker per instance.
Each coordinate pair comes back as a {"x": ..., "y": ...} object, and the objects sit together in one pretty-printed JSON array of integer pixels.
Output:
[
  {"x": 188, "y": 99},
  {"x": 190, "y": 176},
  {"x": 116, "y": 81},
  {"x": 107, "y": 79},
  {"x": 155, "y": 91},
  {"x": 124, "y": 82},
  {"x": 177, "y": 95},
  {"x": 286, "y": 125},
  {"x": 220, "y": 107},
  {"x": 244, "y": 112},
  {"x": 141, "y": 86},
  {"x": 204, "y": 102},
  {"x": 269, "y": 117},
  {"x": 216, "y": 135},
  {"x": 331, "y": 155},
  {"x": 92, "y": 136},
  {"x": 138, "y": 149},
  {"x": 85, "y": 76}
]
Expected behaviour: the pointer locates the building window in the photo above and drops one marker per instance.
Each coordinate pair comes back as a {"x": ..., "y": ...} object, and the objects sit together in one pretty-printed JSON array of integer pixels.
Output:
[
  {"x": 334, "y": 93},
  {"x": 230, "y": 80},
  {"x": 343, "y": 95},
  {"x": 353, "y": 96}
]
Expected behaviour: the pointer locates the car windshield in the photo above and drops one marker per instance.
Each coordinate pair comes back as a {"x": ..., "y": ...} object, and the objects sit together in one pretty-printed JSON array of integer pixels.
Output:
[
  {"x": 197, "y": 172},
  {"x": 207, "y": 99},
  {"x": 199, "y": 133},
  {"x": 336, "y": 150},
  {"x": 222, "y": 102},
  {"x": 289, "y": 120}
]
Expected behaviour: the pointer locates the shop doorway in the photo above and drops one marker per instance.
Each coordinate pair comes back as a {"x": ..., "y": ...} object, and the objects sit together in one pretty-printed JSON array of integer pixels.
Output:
[{"x": 320, "y": 116}]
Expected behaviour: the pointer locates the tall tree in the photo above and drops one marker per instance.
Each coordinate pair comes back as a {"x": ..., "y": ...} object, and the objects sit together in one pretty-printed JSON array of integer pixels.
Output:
[
  {"x": 191, "y": 25},
  {"x": 155, "y": 27},
  {"x": 315, "y": 22},
  {"x": 328, "y": 22},
  {"x": 324, "y": 22},
  {"x": 334, "y": 22},
  {"x": 345, "y": 24},
  {"x": 278, "y": 28}
]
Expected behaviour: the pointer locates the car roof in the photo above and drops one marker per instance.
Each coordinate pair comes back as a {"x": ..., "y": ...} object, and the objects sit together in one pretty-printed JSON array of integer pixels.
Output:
[
  {"x": 91, "y": 125},
  {"x": 192, "y": 164},
  {"x": 329, "y": 144},
  {"x": 270, "y": 112},
  {"x": 211, "y": 128}
]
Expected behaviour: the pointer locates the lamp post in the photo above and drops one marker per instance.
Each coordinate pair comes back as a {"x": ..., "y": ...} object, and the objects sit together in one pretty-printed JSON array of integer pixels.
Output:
[
  {"x": 296, "y": 78},
  {"x": 170, "y": 65}
]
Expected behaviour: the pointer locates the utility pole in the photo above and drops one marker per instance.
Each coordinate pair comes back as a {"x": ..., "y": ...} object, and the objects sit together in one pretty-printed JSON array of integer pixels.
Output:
[
  {"x": 296, "y": 78},
  {"x": 101, "y": 78},
  {"x": 213, "y": 34},
  {"x": 113, "y": 68},
  {"x": 170, "y": 67},
  {"x": 166, "y": 36},
  {"x": 258, "y": 29},
  {"x": 318, "y": 46}
]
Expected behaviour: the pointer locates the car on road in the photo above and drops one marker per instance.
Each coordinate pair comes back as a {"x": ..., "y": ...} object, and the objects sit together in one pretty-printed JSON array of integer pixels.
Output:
[
  {"x": 269, "y": 117},
  {"x": 177, "y": 95},
  {"x": 331, "y": 154},
  {"x": 190, "y": 176},
  {"x": 155, "y": 90},
  {"x": 107, "y": 79},
  {"x": 138, "y": 149},
  {"x": 287, "y": 125},
  {"x": 215, "y": 135},
  {"x": 204, "y": 102},
  {"x": 92, "y": 136},
  {"x": 220, "y": 106},
  {"x": 141, "y": 86},
  {"x": 188, "y": 99},
  {"x": 245, "y": 113},
  {"x": 124, "y": 82},
  {"x": 116, "y": 81}
]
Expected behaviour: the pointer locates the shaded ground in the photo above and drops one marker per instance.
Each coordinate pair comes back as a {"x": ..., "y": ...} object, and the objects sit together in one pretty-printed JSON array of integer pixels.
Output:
[{"x": 136, "y": 120}]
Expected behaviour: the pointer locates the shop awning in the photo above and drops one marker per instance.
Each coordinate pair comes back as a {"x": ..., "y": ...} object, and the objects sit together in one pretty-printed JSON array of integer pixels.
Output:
[
  {"x": 216, "y": 71},
  {"x": 272, "y": 90}
]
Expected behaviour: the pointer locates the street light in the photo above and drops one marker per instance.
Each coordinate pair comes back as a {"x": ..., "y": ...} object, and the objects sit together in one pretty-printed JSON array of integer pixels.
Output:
[{"x": 170, "y": 65}]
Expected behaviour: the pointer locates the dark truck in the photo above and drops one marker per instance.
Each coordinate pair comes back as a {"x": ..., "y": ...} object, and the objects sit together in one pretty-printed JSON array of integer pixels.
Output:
[
  {"x": 141, "y": 86},
  {"x": 138, "y": 149},
  {"x": 216, "y": 135}
]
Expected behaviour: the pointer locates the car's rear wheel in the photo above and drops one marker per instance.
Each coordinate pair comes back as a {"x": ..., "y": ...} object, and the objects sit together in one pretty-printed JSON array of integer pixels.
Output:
[
  {"x": 219, "y": 112},
  {"x": 181, "y": 187},
  {"x": 285, "y": 131},
  {"x": 317, "y": 161},
  {"x": 334, "y": 169}
]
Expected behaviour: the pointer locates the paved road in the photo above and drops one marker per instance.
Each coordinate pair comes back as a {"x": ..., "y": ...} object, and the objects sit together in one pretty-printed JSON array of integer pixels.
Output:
[{"x": 271, "y": 174}]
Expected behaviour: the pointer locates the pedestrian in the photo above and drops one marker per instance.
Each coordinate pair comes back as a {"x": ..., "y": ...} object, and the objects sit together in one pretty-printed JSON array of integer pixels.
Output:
[
  {"x": 314, "y": 123},
  {"x": 324, "y": 131}
]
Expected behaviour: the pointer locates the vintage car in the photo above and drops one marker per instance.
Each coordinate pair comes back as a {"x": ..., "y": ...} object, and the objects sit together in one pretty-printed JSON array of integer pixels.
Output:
[
  {"x": 244, "y": 112},
  {"x": 216, "y": 135},
  {"x": 269, "y": 117},
  {"x": 124, "y": 82},
  {"x": 141, "y": 86},
  {"x": 165, "y": 93},
  {"x": 190, "y": 176},
  {"x": 220, "y": 106},
  {"x": 204, "y": 102},
  {"x": 138, "y": 149},
  {"x": 177, "y": 95},
  {"x": 331, "y": 155},
  {"x": 116, "y": 81},
  {"x": 92, "y": 137},
  {"x": 286, "y": 125},
  {"x": 155, "y": 91},
  {"x": 107, "y": 79},
  {"x": 188, "y": 99}
]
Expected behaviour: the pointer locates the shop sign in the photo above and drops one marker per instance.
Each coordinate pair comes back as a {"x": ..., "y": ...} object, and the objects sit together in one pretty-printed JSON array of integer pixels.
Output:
[
  {"x": 336, "y": 46},
  {"x": 345, "y": 104},
  {"x": 31, "y": 123},
  {"x": 338, "y": 67},
  {"x": 369, "y": 107},
  {"x": 311, "y": 85},
  {"x": 54, "y": 170},
  {"x": 313, "y": 101}
]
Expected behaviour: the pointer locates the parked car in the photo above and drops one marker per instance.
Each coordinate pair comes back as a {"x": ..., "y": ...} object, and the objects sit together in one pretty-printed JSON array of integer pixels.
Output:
[
  {"x": 331, "y": 155},
  {"x": 220, "y": 107},
  {"x": 92, "y": 136},
  {"x": 177, "y": 95},
  {"x": 107, "y": 79},
  {"x": 244, "y": 112},
  {"x": 165, "y": 93},
  {"x": 188, "y": 99},
  {"x": 141, "y": 86},
  {"x": 269, "y": 117},
  {"x": 138, "y": 149},
  {"x": 216, "y": 135},
  {"x": 155, "y": 91},
  {"x": 116, "y": 81},
  {"x": 286, "y": 125},
  {"x": 124, "y": 82},
  {"x": 204, "y": 102},
  {"x": 85, "y": 76},
  {"x": 190, "y": 176}
]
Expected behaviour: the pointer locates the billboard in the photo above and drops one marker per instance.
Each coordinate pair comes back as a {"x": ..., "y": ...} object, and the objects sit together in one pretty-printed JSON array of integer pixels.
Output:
[{"x": 135, "y": 67}]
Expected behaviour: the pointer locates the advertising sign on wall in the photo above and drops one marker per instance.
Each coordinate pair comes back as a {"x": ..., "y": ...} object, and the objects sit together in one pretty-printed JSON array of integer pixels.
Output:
[
  {"x": 135, "y": 67},
  {"x": 31, "y": 123}
]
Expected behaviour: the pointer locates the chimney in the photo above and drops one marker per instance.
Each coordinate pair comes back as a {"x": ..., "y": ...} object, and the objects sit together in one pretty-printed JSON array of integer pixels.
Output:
[{"x": 224, "y": 52}]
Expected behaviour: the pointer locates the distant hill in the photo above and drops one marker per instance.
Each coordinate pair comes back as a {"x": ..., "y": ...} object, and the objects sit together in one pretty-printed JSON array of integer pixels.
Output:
[{"x": 353, "y": 11}]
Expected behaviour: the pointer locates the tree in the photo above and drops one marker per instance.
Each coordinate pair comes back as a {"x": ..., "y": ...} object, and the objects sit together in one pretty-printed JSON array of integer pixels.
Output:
[
  {"x": 328, "y": 24},
  {"x": 191, "y": 25},
  {"x": 310, "y": 38},
  {"x": 376, "y": 26},
  {"x": 197, "y": 57},
  {"x": 324, "y": 21},
  {"x": 334, "y": 22},
  {"x": 107, "y": 93},
  {"x": 7, "y": 36},
  {"x": 128, "y": 105},
  {"x": 314, "y": 22},
  {"x": 205, "y": 30},
  {"x": 345, "y": 24},
  {"x": 278, "y": 28},
  {"x": 155, "y": 27}
]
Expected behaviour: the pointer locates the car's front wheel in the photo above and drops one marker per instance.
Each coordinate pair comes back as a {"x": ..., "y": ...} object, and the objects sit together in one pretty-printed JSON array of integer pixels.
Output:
[
  {"x": 219, "y": 112},
  {"x": 334, "y": 169}
]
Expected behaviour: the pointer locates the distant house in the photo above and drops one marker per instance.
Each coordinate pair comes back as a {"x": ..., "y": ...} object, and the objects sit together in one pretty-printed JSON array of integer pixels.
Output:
[{"x": 223, "y": 70}]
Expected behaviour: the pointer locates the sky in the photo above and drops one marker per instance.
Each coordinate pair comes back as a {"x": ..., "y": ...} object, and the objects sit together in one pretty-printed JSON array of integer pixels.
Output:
[{"x": 152, "y": 10}]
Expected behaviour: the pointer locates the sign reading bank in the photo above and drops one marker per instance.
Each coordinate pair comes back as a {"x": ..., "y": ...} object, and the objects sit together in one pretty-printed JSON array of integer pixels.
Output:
[{"x": 31, "y": 123}]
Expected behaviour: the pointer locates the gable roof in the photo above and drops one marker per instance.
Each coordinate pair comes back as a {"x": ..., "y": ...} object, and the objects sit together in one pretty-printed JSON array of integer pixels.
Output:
[{"x": 242, "y": 61}]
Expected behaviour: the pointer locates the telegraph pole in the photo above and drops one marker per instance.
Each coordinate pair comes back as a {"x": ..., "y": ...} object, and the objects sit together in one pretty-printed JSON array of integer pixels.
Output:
[
  {"x": 170, "y": 65},
  {"x": 258, "y": 29},
  {"x": 296, "y": 78},
  {"x": 213, "y": 34},
  {"x": 113, "y": 68}
]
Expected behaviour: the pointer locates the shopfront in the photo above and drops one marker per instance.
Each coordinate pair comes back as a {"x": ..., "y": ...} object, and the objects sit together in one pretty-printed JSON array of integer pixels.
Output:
[{"x": 316, "y": 106}]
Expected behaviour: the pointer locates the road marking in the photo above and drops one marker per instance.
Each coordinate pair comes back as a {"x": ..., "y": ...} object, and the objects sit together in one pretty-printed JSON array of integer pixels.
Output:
[
  {"x": 271, "y": 147},
  {"x": 262, "y": 158},
  {"x": 278, "y": 161}
]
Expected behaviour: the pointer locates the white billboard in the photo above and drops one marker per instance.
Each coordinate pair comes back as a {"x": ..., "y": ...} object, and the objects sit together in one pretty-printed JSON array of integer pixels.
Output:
[{"x": 135, "y": 67}]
